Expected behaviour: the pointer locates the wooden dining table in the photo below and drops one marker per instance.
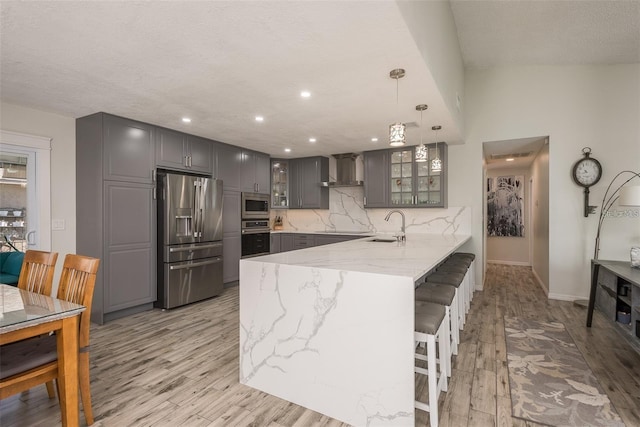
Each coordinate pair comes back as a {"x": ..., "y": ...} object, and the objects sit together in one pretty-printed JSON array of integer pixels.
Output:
[{"x": 27, "y": 314}]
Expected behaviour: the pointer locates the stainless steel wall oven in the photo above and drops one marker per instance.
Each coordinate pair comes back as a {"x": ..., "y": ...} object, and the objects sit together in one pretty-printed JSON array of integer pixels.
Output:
[{"x": 256, "y": 238}]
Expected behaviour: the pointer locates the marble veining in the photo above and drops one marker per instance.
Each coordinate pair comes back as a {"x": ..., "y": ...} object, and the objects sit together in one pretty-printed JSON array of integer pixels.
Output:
[
  {"x": 347, "y": 212},
  {"x": 330, "y": 327}
]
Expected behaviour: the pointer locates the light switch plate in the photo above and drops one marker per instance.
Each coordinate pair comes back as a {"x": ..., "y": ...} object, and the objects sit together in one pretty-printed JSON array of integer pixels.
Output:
[{"x": 57, "y": 224}]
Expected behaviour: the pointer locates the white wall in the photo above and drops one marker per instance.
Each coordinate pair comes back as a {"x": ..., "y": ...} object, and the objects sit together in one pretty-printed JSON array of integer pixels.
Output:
[
  {"x": 62, "y": 131},
  {"x": 434, "y": 30},
  {"x": 511, "y": 250},
  {"x": 540, "y": 217},
  {"x": 577, "y": 106}
]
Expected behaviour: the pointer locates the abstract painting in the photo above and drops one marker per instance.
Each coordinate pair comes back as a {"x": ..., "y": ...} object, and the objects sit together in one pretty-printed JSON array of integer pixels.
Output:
[{"x": 505, "y": 206}]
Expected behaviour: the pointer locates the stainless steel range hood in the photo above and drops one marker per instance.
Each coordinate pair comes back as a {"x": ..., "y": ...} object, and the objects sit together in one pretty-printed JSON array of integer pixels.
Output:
[{"x": 345, "y": 171}]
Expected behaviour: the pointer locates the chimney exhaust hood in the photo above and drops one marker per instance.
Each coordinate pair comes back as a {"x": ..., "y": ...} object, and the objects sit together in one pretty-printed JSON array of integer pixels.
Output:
[{"x": 345, "y": 171}]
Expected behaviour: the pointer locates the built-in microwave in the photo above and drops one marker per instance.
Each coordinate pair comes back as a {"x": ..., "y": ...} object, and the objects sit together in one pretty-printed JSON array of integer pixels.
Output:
[{"x": 255, "y": 206}]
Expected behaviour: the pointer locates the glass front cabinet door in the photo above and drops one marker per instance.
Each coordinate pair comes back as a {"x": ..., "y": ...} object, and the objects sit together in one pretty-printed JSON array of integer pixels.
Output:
[
  {"x": 417, "y": 184},
  {"x": 279, "y": 183}
]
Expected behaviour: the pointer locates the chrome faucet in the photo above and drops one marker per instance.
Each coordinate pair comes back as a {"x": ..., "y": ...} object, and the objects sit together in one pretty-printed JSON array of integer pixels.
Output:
[{"x": 402, "y": 235}]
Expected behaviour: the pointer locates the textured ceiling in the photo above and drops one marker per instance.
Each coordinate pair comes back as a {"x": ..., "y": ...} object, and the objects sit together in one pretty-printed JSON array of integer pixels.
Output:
[
  {"x": 547, "y": 32},
  {"x": 222, "y": 63}
]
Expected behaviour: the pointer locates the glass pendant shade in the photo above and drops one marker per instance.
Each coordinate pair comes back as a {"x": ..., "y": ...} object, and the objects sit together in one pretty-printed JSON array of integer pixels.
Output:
[
  {"x": 436, "y": 163},
  {"x": 396, "y": 134},
  {"x": 421, "y": 153}
]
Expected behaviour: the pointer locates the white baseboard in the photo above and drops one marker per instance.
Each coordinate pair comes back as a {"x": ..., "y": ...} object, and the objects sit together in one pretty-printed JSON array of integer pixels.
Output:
[
  {"x": 540, "y": 282},
  {"x": 562, "y": 297},
  {"x": 493, "y": 261}
]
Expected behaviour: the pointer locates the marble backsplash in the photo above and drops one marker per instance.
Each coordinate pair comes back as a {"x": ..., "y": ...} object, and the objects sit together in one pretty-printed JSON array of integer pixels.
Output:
[{"x": 347, "y": 213}]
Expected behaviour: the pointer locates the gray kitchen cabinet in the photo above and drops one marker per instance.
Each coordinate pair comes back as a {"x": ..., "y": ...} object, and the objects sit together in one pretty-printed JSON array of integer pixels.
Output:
[
  {"x": 116, "y": 213},
  {"x": 229, "y": 166},
  {"x": 256, "y": 168},
  {"x": 306, "y": 176},
  {"x": 275, "y": 243},
  {"x": 232, "y": 240},
  {"x": 177, "y": 150},
  {"x": 407, "y": 183},
  {"x": 231, "y": 250},
  {"x": 231, "y": 213},
  {"x": 279, "y": 183},
  {"x": 126, "y": 148},
  {"x": 286, "y": 242},
  {"x": 376, "y": 179},
  {"x": 130, "y": 242},
  {"x": 302, "y": 241}
]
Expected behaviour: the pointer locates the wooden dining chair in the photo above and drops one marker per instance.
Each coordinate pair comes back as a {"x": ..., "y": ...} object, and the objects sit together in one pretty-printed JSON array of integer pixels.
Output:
[
  {"x": 36, "y": 274},
  {"x": 25, "y": 364}
]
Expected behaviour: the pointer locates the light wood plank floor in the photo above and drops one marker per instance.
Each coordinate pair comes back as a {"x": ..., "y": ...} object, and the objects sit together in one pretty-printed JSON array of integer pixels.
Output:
[{"x": 181, "y": 367}]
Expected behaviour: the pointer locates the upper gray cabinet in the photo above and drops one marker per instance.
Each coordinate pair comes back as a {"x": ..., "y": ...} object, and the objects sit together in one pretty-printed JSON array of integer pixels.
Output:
[
  {"x": 228, "y": 166},
  {"x": 127, "y": 148},
  {"x": 176, "y": 150},
  {"x": 255, "y": 172},
  {"x": 376, "y": 182},
  {"x": 394, "y": 179},
  {"x": 306, "y": 176}
]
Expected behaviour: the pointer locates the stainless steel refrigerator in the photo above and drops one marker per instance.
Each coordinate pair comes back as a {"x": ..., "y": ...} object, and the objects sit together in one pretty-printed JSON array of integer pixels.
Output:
[{"x": 189, "y": 240}]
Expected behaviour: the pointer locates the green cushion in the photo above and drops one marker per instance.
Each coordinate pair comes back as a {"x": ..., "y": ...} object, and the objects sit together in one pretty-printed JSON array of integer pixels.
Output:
[
  {"x": 8, "y": 279},
  {"x": 13, "y": 263}
]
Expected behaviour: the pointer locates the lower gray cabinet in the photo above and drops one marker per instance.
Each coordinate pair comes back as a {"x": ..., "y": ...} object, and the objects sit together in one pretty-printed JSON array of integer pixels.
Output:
[
  {"x": 286, "y": 242},
  {"x": 302, "y": 241},
  {"x": 275, "y": 243},
  {"x": 231, "y": 250},
  {"x": 129, "y": 239}
]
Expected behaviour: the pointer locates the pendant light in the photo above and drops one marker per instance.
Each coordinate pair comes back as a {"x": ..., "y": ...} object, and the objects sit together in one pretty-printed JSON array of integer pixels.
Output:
[
  {"x": 436, "y": 163},
  {"x": 421, "y": 150},
  {"x": 396, "y": 130}
]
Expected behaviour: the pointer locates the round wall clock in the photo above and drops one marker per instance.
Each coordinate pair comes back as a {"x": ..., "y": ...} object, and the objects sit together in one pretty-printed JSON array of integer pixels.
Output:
[{"x": 586, "y": 172}]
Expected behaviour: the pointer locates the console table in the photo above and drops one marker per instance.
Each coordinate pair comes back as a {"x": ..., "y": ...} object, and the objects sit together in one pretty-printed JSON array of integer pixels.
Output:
[{"x": 615, "y": 286}]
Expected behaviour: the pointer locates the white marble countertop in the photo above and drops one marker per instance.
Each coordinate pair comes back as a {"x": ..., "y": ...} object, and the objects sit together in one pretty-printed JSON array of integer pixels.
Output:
[
  {"x": 338, "y": 233},
  {"x": 419, "y": 254}
]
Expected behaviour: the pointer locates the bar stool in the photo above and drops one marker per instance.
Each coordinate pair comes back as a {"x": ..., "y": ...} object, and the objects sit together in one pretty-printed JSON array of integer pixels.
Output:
[
  {"x": 445, "y": 295},
  {"x": 456, "y": 280},
  {"x": 431, "y": 325},
  {"x": 460, "y": 266},
  {"x": 470, "y": 257}
]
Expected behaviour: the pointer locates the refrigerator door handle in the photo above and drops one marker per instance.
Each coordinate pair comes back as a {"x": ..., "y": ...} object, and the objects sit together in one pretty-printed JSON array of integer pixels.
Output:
[
  {"x": 195, "y": 264},
  {"x": 196, "y": 206},
  {"x": 194, "y": 248}
]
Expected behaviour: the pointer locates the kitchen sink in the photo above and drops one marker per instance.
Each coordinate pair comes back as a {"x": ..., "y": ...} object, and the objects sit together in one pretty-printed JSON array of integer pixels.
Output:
[{"x": 379, "y": 239}]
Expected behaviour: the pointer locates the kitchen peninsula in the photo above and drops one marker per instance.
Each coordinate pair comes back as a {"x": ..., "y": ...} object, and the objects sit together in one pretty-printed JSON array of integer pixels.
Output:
[{"x": 330, "y": 328}]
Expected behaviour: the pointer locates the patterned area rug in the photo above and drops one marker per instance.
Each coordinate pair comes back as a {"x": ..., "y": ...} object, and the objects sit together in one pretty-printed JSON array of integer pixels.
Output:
[{"x": 550, "y": 381}]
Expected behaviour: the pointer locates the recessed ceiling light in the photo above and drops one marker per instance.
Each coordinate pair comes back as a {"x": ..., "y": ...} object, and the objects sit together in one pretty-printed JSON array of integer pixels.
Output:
[
  {"x": 186, "y": 120},
  {"x": 374, "y": 139},
  {"x": 305, "y": 94},
  {"x": 287, "y": 150},
  {"x": 510, "y": 159},
  {"x": 312, "y": 140},
  {"x": 259, "y": 119}
]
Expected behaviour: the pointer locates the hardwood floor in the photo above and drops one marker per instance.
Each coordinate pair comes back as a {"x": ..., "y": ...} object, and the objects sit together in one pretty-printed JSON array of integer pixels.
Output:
[{"x": 181, "y": 367}]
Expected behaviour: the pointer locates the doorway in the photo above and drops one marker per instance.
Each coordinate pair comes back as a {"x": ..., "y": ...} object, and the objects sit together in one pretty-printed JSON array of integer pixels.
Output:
[
  {"x": 515, "y": 207},
  {"x": 25, "y": 200}
]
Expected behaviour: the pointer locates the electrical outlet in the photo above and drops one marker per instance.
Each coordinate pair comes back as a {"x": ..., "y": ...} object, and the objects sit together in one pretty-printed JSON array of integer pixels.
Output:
[{"x": 57, "y": 224}]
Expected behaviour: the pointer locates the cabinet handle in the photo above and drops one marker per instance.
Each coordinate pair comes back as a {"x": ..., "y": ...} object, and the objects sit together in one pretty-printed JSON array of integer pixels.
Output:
[
  {"x": 153, "y": 175},
  {"x": 365, "y": 200},
  {"x": 154, "y": 193},
  {"x": 190, "y": 161}
]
